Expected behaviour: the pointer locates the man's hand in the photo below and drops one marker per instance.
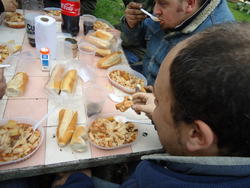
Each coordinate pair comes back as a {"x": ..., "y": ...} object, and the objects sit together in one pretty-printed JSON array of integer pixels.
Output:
[
  {"x": 144, "y": 102},
  {"x": 10, "y": 5},
  {"x": 2, "y": 83},
  {"x": 133, "y": 14}
]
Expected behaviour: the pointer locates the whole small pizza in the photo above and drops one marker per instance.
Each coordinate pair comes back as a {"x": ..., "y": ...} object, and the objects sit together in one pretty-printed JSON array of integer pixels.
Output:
[{"x": 14, "y": 20}]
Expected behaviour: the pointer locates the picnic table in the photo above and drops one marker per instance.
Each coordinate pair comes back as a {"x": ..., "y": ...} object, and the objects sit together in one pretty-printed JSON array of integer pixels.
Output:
[{"x": 36, "y": 102}]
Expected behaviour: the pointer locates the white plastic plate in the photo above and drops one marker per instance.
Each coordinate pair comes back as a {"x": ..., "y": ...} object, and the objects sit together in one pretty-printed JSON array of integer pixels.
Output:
[
  {"x": 90, "y": 121},
  {"x": 27, "y": 121},
  {"x": 129, "y": 70}
]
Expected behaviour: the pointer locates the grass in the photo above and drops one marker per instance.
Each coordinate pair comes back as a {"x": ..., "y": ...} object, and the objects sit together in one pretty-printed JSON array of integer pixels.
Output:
[
  {"x": 239, "y": 15},
  {"x": 113, "y": 10},
  {"x": 110, "y": 10}
]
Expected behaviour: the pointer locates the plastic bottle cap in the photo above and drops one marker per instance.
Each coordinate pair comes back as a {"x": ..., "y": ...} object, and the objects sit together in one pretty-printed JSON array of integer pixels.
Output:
[{"x": 44, "y": 51}]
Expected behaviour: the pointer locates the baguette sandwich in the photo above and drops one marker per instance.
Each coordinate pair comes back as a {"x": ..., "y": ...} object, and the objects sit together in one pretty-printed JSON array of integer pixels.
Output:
[
  {"x": 14, "y": 20},
  {"x": 110, "y": 60},
  {"x": 103, "y": 35},
  {"x": 56, "y": 78},
  {"x": 16, "y": 86},
  {"x": 98, "y": 42},
  {"x": 98, "y": 51},
  {"x": 69, "y": 81},
  {"x": 66, "y": 126},
  {"x": 101, "y": 25},
  {"x": 78, "y": 140}
]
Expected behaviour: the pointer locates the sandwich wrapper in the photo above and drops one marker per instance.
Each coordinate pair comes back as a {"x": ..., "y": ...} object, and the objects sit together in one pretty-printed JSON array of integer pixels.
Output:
[{"x": 45, "y": 34}]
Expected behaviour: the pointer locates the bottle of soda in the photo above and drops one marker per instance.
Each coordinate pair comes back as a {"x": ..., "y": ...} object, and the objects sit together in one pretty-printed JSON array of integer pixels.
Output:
[{"x": 70, "y": 16}]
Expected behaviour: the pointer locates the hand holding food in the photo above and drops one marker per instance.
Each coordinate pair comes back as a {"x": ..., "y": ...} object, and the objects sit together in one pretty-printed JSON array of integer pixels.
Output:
[
  {"x": 144, "y": 102},
  {"x": 133, "y": 14}
]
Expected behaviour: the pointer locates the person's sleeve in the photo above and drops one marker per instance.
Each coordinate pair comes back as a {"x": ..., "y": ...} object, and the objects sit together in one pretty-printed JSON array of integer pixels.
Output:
[
  {"x": 1, "y": 7},
  {"x": 78, "y": 180},
  {"x": 132, "y": 36}
]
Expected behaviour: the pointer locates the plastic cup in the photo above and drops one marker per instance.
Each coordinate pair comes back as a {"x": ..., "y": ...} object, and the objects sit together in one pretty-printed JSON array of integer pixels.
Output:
[
  {"x": 95, "y": 97},
  {"x": 87, "y": 52},
  {"x": 88, "y": 23}
]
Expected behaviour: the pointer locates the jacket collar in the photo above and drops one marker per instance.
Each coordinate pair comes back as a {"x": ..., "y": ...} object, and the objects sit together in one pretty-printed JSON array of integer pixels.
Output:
[
  {"x": 190, "y": 24},
  {"x": 221, "y": 166}
]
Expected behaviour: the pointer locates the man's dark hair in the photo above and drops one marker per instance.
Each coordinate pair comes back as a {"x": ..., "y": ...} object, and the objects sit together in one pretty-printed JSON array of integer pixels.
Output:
[{"x": 210, "y": 79}]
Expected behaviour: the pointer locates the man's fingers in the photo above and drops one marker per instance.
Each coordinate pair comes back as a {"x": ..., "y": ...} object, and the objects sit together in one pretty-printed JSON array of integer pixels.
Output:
[
  {"x": 141, "y": 108},
  {"x": 134, "y": 5}
]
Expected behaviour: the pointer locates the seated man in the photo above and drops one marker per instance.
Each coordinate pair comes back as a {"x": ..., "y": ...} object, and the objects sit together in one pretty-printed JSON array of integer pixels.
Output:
[
  {"x": 179, "y": 19},
  {"x": 201, "y": 114}
]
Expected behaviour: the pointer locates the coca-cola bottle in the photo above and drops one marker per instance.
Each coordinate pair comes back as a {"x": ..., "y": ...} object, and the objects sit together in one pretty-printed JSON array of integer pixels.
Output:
[{"x": 70, "y": 16}]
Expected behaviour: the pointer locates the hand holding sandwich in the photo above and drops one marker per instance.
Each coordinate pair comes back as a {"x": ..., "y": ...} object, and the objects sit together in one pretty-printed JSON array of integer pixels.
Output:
[
  {"x": 133, "y": 14},
  {"x": 2, "y": 83}
]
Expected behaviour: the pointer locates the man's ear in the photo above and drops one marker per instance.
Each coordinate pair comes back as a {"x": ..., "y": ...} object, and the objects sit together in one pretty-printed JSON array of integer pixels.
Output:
[
  {"x": 191, "y": 6},
  {"x": 200, "y": 137}
]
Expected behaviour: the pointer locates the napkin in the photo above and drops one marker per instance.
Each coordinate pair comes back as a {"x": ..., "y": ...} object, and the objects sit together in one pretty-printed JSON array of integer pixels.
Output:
[{"x": 45, "y": 34}]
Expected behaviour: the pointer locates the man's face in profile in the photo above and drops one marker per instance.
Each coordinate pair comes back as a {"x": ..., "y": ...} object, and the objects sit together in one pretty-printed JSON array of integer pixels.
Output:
[
  {"x": 167, "y": 129},
  {"x": 170, "y": 12}
]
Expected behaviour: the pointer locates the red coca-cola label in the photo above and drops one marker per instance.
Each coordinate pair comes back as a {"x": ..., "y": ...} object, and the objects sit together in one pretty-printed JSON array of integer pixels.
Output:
[{"x": 70, "y": 8}]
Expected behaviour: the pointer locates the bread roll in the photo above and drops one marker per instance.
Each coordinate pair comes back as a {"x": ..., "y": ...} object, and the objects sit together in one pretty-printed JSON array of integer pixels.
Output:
[
  {"x": 100, "y": 43},
  {"x": 16, "y": 86},
  {"x": 56, "y": 78},
  {"x": 66, "y": 126},
  {"x": 109, "y": 60},
  {"x": 14, "y": 20},
  {"x": 101, "y": 25},
  {"x": 69, "y": 81},
  {"x": 77, "y": 142},
  {"x": 99, "y": 51},
  {"x": 103, "y": 35}
]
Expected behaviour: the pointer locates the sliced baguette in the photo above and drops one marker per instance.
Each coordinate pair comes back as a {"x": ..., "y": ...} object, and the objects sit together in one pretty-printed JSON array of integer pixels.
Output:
[
  {"x": 100, "y": 43},
  {"x": 103, "y": 35},
  {"x": 16, "y": 86},
  {"x": 66, "y": 126},
  {"x": 69, "y": 81},
  {"x": 56, "y": 78},
  {"x": 99, "y": 51},
  {"x": 77, "y": 142},
  {"x": 109, "y": 60}
]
